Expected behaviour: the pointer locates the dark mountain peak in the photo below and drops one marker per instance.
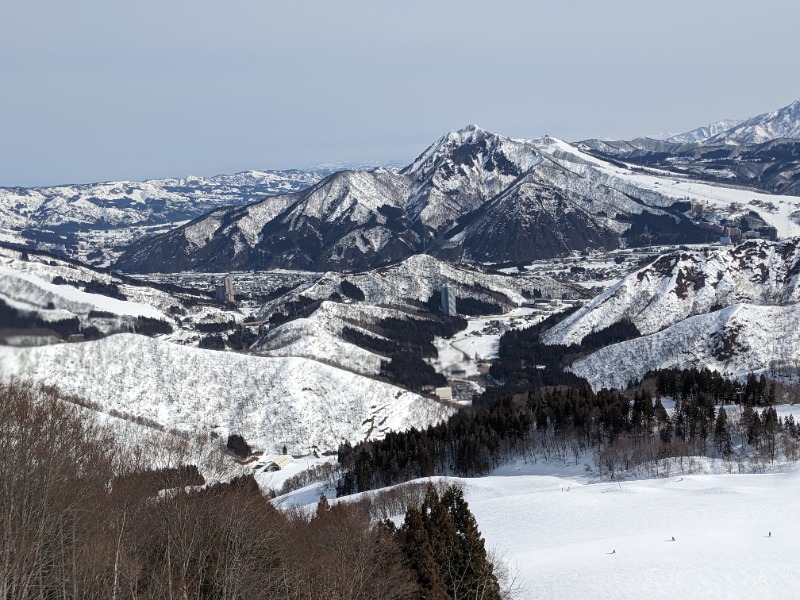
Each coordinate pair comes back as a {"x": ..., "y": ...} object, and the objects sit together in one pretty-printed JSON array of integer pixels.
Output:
[{"x": 474, "y": 147}]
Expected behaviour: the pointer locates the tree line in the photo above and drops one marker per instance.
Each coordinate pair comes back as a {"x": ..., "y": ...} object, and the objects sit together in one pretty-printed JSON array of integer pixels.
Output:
[
  {"x": 617, "y": 430},
  {"x": 683, "y": 383}
]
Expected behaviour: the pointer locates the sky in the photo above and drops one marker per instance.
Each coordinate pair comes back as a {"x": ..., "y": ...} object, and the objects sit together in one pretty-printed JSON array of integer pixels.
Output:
[{"x": 100, "y": 90}]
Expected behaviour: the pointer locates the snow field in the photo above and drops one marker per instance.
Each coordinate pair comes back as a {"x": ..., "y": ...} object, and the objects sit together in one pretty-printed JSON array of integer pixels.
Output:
[
  {"x": 460, "y": 351},
  {"x": 565, "y": 536},
  {"x": 28, "y": 287},
  {"x": 561, "y": 540}
]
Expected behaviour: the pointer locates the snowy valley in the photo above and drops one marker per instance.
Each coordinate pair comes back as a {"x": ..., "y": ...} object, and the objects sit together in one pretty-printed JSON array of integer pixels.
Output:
[{"x": 599, "y": 348}]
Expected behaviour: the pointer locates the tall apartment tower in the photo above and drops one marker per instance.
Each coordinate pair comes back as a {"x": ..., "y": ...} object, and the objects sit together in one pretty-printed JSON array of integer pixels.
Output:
[
  {"x": 448, "y": 301},
  {"x": 224, "y": 292}
]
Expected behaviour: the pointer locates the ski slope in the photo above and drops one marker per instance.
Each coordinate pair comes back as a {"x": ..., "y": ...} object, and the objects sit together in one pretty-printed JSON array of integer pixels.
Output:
[
  {"x": 561, "y": 541},
  {"x": 270, "y": 401},
  {"x": 567, "y": 536}
]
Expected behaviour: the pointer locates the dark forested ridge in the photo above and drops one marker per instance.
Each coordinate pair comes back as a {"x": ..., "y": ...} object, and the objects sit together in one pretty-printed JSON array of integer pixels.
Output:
[{"x": 405, "y": 342}]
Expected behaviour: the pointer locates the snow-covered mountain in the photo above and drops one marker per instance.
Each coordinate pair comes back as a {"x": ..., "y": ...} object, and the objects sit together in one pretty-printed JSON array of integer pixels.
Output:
[
  {"x": 473, "y": 196},
  {"x": 781, "y": 123},
  {"x": 761, "y": 153},
  {"x": 94, "y": 220},
  {"x": 701, "y": 134},
  {"x": 685, "y": 284},
  {"x": 732, "y": 310},
  {"x": 735, "y": 341}
]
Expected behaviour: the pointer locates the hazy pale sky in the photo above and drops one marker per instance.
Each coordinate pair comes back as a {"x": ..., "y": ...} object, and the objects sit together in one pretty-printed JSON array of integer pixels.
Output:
[{"x": 97, "y": 90}]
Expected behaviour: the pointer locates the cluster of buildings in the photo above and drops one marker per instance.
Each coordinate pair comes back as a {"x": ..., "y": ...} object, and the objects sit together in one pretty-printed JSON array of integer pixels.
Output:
[{"x": 732, "y": 230}]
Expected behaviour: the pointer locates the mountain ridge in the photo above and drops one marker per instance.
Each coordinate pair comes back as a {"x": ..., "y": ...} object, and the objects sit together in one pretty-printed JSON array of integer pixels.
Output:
[{"x": 440, "y": 204}]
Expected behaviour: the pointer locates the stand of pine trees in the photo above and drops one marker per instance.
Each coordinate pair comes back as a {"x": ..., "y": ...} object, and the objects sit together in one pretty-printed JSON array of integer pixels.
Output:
[{"x": 444, "y": 548}]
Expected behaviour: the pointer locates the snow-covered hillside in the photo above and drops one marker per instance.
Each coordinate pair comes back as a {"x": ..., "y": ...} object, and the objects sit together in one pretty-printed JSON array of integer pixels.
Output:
[
  {"x": 735, "y": 341},
  {"x": 51, "y": 290},
  {"x": 270, "y": 401},
  {"x": 303, "y": 386},
  {"x": 319, "y": 337},
  {"x": 734, "y": 310},
  {"x": 420, "y": 275},
  {"x": 781, "y": 123},
  {"x": 683, "y": 284}
]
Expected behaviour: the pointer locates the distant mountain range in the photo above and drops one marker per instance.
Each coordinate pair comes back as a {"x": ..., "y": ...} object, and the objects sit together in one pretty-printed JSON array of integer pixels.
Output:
[
  {"x": 471, "y": 196},
  {"x": 701, "y": 134},
  {"x": 762, "y": 152},
  {"x": 94, "y": 221},
  {"x": 783, "y": 123}
]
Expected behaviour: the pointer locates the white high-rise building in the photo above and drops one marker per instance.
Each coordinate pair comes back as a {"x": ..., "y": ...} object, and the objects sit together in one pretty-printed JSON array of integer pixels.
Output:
[
  {"x": 448, "y": 301},
  {"x": 224, "y": 292}
]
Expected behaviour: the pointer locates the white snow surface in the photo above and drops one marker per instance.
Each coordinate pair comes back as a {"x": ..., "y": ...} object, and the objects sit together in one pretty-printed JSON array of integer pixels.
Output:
[
  {"x": 270, "y": 401},
  {"x": 565, "y": 535},
  {"x": 562, "y": 541}
]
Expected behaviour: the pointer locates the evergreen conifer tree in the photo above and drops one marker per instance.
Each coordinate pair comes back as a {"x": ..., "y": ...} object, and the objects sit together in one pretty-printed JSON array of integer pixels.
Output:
[
  {"x": 419, "y": 555},
  {"x": 443, "y": 545}
]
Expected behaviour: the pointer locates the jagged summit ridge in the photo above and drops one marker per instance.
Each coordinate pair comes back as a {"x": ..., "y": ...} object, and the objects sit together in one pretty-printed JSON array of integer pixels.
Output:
[
  {"x": 685, "y": 284},
  {"x": 781, "y": 123},
  {"x": 701, "y": 134},
  {"x": 543, "y": 197}
]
